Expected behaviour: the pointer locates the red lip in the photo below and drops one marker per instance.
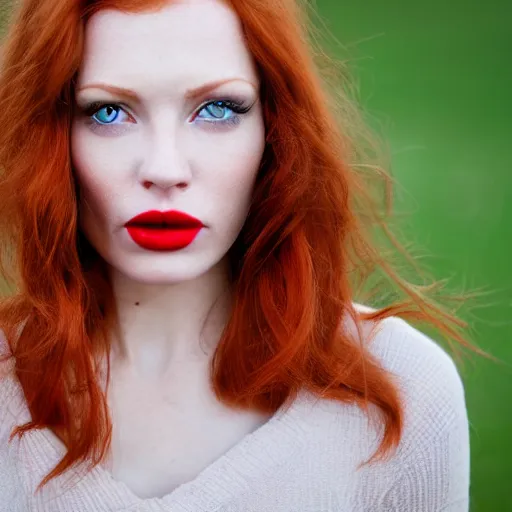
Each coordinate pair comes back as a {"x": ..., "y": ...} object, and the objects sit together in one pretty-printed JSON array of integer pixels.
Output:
[
  {"x": 163, "y": 231},
  {"x": 170, "y": 218}
]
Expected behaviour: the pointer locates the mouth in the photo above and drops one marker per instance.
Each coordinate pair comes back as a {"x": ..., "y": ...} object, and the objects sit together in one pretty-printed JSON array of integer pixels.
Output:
[{"x": 163, "y": 231}]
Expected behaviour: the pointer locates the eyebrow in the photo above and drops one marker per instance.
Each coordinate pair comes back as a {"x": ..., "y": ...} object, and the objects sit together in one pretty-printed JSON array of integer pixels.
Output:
[{"x": 189, "y": 94}]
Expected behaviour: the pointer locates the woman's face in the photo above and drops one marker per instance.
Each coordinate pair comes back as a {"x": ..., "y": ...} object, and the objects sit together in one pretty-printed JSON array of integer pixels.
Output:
[{"x": 167, "y": 117}]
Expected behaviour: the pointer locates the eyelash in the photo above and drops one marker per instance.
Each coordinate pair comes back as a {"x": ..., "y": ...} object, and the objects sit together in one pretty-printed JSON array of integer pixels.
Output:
[{"x": 238, "y": 108}]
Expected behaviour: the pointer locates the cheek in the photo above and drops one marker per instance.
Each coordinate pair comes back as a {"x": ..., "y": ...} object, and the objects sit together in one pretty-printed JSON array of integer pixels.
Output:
[
  {"x": 230, "y": 162},
  {"x": 94, "y": 175}
]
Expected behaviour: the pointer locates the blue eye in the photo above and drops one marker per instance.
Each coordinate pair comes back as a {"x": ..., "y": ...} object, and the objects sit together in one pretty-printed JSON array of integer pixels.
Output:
[
  {"x": 104, "y": 114},
  {"x": 110, "y": 114},
  {"x": 217, "y": 110}
]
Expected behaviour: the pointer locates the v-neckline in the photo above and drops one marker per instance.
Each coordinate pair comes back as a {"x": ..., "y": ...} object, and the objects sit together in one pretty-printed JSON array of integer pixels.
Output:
[{"x": 227, "y": 477}]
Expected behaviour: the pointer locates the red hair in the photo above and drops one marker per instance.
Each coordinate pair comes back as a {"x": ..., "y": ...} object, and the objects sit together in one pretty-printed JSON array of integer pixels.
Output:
[{"x": 304, "y": 253}]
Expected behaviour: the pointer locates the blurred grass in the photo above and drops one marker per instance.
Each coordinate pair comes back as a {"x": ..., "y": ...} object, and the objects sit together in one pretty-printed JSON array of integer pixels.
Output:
[{"x": 436, "y": 80}]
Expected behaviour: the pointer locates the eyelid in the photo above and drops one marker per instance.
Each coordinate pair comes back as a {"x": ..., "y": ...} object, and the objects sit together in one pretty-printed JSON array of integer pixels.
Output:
[
  {"x": 238, "y": 107},
  {"x": 234, "y": 97},
  {"x": 93, "y": 107}
]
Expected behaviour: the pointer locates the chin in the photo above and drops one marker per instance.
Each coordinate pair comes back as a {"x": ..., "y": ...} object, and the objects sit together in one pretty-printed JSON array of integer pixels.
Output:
[
  {"x": 165, "y": 269},
  {"x": 160, "y": 277}
]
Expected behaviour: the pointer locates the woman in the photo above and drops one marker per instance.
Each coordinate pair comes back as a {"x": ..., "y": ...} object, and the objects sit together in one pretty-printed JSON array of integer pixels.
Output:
[{"x": 189, "y": 229}]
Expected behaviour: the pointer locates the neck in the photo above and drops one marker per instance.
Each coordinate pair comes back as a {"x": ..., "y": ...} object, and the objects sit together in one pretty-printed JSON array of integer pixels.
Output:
[{"x": 167, "y": 325}]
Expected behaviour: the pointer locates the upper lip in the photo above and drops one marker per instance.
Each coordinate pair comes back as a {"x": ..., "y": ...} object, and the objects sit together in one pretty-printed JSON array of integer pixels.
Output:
[{"x": 167, "y": 218}]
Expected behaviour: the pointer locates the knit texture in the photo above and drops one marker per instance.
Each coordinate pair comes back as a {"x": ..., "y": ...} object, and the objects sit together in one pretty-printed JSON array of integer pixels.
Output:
[{"x": 304, "y": 459}]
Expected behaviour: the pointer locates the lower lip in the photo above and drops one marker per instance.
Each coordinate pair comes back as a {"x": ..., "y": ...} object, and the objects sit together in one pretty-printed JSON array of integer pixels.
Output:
[{"x": 163, "y": 239}]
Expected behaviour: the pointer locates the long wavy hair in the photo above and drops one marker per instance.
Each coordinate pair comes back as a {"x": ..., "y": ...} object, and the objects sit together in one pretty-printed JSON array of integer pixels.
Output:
[{"x": 307, "y": 249}]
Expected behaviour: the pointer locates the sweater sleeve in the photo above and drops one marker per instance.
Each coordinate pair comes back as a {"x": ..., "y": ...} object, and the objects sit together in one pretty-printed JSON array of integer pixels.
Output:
[{"x": 432, "y": 471}]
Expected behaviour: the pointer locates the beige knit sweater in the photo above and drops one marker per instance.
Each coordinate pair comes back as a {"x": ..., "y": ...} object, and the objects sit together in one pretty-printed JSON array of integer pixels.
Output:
[{"x": 303, "y": 460}]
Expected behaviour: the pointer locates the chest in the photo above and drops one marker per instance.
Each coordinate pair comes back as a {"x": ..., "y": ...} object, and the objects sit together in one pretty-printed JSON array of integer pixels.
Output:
[{"x": 161, "y": 440}]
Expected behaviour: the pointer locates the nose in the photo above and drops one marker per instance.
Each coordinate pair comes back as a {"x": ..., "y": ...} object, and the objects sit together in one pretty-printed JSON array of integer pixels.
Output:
[{"x": 165, "y": 164}]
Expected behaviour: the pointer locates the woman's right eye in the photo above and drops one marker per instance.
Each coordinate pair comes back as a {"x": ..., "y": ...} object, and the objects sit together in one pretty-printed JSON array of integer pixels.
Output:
[{"x": 104, "y": 114}]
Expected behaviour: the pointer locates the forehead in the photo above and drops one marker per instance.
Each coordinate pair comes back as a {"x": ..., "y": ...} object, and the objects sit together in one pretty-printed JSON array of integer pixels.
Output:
[{"x": 184, "y": 41}]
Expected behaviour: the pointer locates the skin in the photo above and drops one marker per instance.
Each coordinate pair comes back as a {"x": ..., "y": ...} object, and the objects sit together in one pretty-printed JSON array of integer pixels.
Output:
[{"x": 164, "y": 151}]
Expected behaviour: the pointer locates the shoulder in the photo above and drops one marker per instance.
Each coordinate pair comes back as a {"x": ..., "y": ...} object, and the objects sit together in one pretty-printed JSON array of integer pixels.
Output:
[
  {"x": 435, "y": 441},
  {"x": 420, "y": 366},
  {"x": 401, "y": 347}
]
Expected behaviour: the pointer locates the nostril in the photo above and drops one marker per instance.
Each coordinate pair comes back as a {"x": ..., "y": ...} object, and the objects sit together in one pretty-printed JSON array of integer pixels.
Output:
[{"x": 147, "y": 184}]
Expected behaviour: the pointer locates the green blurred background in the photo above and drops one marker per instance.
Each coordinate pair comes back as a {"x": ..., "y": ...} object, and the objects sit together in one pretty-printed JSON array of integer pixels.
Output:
[{"x": 436, "y": 77}]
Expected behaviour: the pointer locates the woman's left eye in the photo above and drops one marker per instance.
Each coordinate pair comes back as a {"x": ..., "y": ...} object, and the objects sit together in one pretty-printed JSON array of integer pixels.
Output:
[{"x": 221, "y": 111}]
